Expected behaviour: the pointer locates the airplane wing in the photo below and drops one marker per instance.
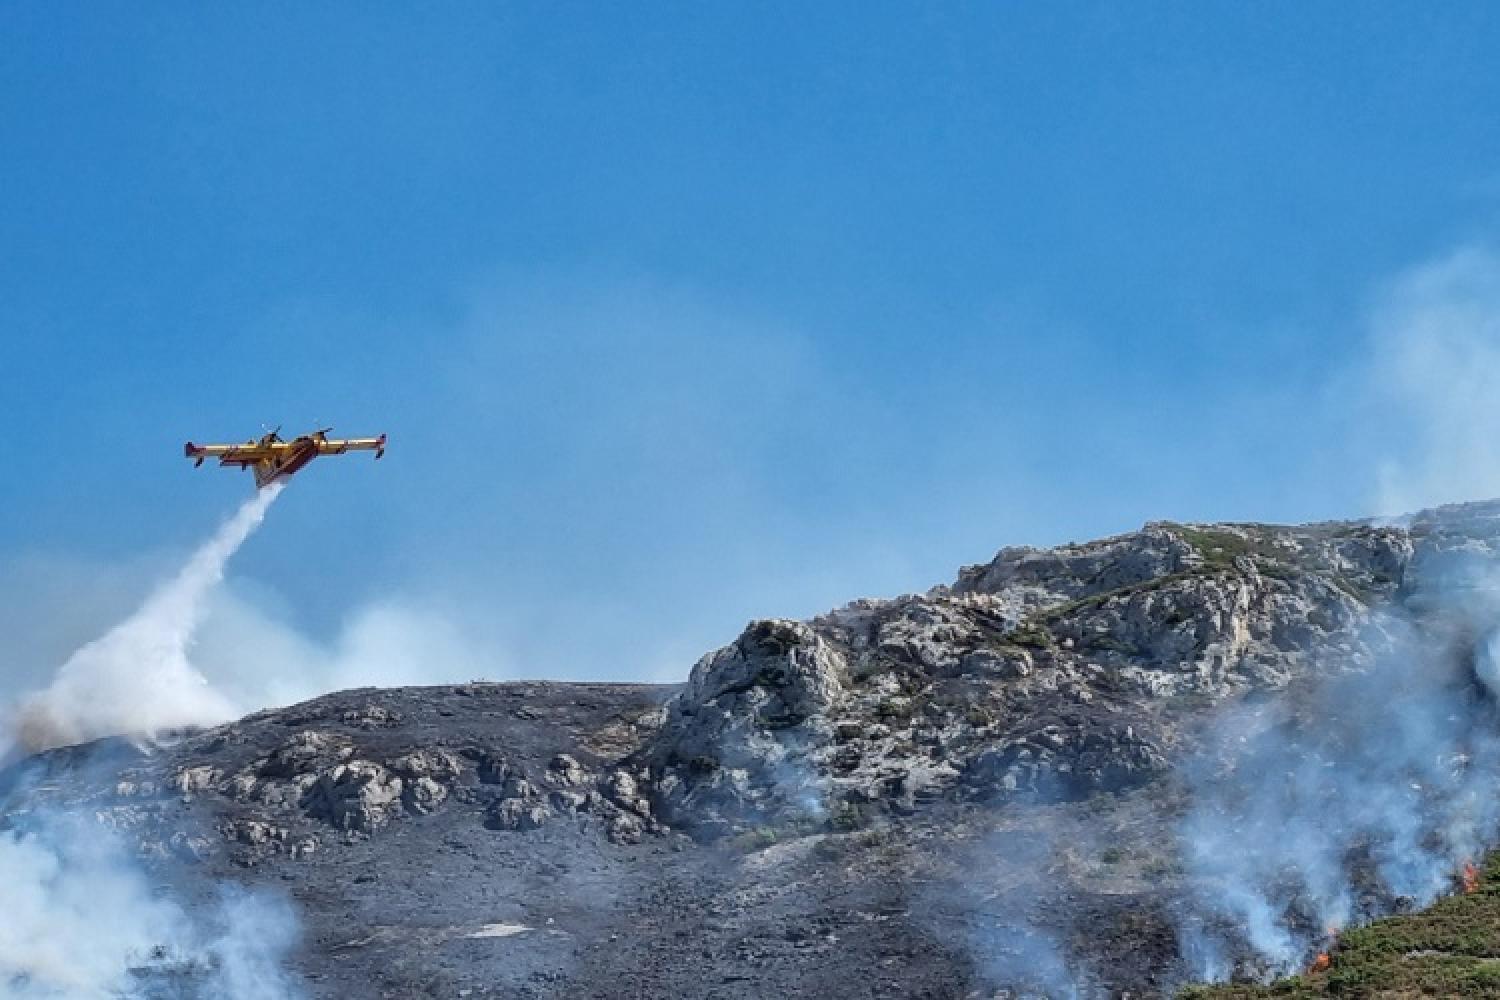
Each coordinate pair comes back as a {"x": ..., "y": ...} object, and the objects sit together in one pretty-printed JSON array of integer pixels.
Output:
[
  {"x": 236, "y": 454},
  {"x": 337, "y": 446}
]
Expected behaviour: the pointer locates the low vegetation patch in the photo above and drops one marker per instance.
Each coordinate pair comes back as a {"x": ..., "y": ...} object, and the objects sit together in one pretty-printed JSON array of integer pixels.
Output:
[
  {"x": 1030, "y": 634},
  {"x": 1222, "y": 550},
  {"x": 1061, "y": 611},
  {"x": 1219, "y": 548}
]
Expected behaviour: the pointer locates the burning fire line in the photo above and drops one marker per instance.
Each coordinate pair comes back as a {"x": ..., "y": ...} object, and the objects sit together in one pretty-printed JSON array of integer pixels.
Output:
[{"x": 1468, "y": 883}]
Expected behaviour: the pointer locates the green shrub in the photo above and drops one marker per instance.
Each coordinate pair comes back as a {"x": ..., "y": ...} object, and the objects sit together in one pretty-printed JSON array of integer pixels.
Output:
[{"x": 1031, "y": 634}]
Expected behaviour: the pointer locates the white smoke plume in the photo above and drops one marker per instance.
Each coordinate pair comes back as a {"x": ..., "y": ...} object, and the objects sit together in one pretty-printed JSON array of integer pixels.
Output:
[
  {"x": 1338, "y": 804},
  {"x": 1370, "y": 789},
  {"x": 137, "y": 679},
  {"x": 82, "y": 922}
]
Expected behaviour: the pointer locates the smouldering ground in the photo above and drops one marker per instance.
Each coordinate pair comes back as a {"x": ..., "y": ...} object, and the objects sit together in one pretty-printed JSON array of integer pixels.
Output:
[{"x": 1451, "y": 949}]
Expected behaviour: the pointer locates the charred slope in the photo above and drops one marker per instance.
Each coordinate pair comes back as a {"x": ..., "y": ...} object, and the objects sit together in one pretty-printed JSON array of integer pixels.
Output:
[
  {"x": 972, "y": 789},
  {"x": 487, "y": 841}
]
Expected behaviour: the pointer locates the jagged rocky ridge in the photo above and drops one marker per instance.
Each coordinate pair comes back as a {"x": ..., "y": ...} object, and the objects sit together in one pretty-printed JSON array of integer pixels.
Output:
[
  {"x": 1055, "y": 673},
  {"x": 801, "y": 795}
]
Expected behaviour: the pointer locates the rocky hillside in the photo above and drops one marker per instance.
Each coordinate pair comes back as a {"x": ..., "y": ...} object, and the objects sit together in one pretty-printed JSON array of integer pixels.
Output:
[
  {"x": 953, "y": 794},
  {"x": 1053, "y": 673}
]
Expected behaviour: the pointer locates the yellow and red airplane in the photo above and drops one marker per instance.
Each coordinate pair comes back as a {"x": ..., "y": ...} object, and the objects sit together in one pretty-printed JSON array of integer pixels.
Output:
[{"x": 274, "y": 459}]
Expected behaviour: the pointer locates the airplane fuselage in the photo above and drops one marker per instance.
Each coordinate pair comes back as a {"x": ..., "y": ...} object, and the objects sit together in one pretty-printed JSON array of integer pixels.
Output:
[{"x": 285, "y": 466}]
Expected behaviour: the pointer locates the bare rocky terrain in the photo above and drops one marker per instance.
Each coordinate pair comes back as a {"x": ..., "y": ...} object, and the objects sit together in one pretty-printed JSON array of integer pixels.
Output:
[{"x": 969, "y": 792}]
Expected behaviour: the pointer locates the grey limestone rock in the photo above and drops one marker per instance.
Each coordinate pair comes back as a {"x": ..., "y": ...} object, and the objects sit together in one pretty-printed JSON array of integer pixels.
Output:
[
  {"x": 733, "y": 748},
  {"x": 360, "y": 795}
]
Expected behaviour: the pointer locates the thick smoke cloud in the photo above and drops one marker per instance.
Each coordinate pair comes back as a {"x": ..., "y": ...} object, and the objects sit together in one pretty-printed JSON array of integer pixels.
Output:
[{"x": 82, "y": 922}]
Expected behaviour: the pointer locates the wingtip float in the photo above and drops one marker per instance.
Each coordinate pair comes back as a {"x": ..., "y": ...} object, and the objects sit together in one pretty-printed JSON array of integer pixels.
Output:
[{"x": 274, "y": 460}]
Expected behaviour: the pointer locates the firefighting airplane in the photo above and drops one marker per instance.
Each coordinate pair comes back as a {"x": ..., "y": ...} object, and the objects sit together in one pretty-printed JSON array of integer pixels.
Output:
[{"x": 274, "y": 459}]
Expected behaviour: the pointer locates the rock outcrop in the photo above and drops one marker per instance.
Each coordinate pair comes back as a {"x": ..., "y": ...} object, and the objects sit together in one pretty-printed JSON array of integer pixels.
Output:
[
  {"x": 1045, "y": 673},
  {"x": 737, "y": 745}
]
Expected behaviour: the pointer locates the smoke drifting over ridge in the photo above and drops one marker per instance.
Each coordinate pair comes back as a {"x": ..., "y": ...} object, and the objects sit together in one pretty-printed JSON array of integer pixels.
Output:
[
  {"x": 1429, "y": 381},
  {"x": 1360, "y": 792},
  {"x": 1368, "y": 790},
  {"x": 137, "y": 679}
]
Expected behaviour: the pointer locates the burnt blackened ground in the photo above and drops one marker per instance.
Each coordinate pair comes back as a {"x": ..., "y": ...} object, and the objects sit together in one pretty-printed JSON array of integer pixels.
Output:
[{"x": 442, "y": 904}]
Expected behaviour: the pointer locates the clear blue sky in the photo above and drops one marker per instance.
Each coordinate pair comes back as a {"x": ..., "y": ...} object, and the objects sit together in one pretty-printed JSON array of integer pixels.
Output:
[{"x": 682, "y": 313}]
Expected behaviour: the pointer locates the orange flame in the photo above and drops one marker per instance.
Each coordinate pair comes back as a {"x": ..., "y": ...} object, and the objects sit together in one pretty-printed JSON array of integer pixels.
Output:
[
  {"x": 1324, "y": 960},
  {"x": 1470, "y": 878}
]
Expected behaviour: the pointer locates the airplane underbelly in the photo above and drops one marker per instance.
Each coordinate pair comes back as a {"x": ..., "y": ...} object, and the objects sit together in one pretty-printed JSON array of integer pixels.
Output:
[{"x": 271, "y": 472}]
